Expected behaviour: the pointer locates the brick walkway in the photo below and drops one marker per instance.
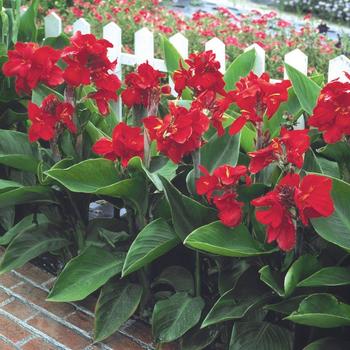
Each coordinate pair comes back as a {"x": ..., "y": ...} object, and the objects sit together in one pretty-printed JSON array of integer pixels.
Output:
[{"x": 28, "y": 322}]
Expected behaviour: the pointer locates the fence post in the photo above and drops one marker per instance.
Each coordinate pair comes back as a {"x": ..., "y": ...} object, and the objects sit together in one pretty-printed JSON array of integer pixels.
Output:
[
  {"x": 113, "y": 33},
  {"x": 259, "y": 65},
  {"x": 298, "y": 60},
  {"x": 218, "y": 47},
  {"x": 53, "y": 25},
  {"x": 144, "y": 46},
  {"x": 337, "y": 67},
  {"x": 81, "y": 25}
]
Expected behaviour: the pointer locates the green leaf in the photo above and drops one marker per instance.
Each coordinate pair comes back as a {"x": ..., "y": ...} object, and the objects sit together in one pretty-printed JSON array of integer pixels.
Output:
[
  {"x": 17, "y": 152},
  {"x": 94, "y": 133},
  {"x": 239, "y": 68},
  {"x": 30, "y": 243},
  {"x": 177, "y": 277},
  {"x": 336, "y": 228},
  {"x": 26, "y": 194},
  {"x": 7, "y": 185},
  {"x": 86, "y": 273},
  {"x": 173, "y": 317},
  {"x": 328, "y": 276},
  {"x": 260, "y": 335},
  {"x": 57, "y": 42},
  {"x": 321, "y": 310},
  {"x": 340, "y": 151},
  {"x": 187, "y": 214},
  {"x": 27, "y": 26},
  {"x": 116, "y": 304},
  {"x": 156, "y": 239},
  {"x": 25, "y": 224},
  {"x": 198, "y": 339},
  {"x": 327, "y": 344},
  {"x": 220, "y": 150},
  {"x": 216, "y": 238},
  {"x": 42, "y": 91},
  {"x": 227, "y": 307},
  {"x": 172, "y": 56},
  {"x": 301, "y": 268},
  {"x": 306, "y": 90},
  {"x": 273, "y": 279},
  {"x": 286, "y": 306}
]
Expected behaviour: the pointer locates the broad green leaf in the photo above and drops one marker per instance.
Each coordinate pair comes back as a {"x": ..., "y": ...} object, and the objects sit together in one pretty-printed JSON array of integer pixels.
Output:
[
  {"x": 286, "y": 306},
  {"x": 57, "y": 42},
  {"x": 328, "y": 343},
  {"x": 228, "y": 307},
  {"x": 216, "y": 238},
  {"x": 27, "y": 26},
  {"x": 179, "y": 278},
  {"x": 42, "y": 91},
  {"x": 306, "y": 90},
  {"x": 157, "y": 167},
  {"x": 321, "y": 310},
  {"x": 301, "y": 268},
  {"x": 328, "y": 276},
  {"x": 156, "y": 239},
  {"x": 220, "y": 150},
  {"x": 173, "y": 317},
  {"x": 239, "y": 68},
  {"x": 321, "y": 165},
  {"x": 198, "y": 339},
  {"x": 25, "y": 224},
  {"x": 117, "y": 302},
  {"x": 86, "y": 273},
  {"x": 339, "y": 152},
  {"x": 273, "y": 279},
  {"x": 187, "y": 214},
  {"x": 30, "y": 243},
  {"x": 26, "y": 194},
  {"x": 17, "y": 152},
  {"x": 260, "y": 336},
  {"x": 7, "y": 185},
  {"x": 99, "y": 176},
  {"x": 336, "y": 228},
  {"x": 94, "y": 132}
]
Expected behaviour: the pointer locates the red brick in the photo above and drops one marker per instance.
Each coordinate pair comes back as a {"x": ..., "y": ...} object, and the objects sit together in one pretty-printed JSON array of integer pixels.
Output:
[
  {"x": 38, "y": 296},
  {"x": 59, "y": 332},
  {"x": 5, "y": 346},
  {"x": 3, "y": 296},
  {"x": 9, "y": 280},
  {"x": 139, "y": 330},
  {"x": 11, "y": 330},
  {"x": 34, "y": 273},
  {"x": 82, "y": 321},
  {"x": 171, "y": 346},
  {"x": 38, "y": 344},
  {"x": 19, "y": 310},
  {"x": 121, "y": 342}
]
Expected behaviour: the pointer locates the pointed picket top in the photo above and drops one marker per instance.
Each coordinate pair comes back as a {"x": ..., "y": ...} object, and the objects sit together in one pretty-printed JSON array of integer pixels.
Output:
[
  {"x": 298, "y": 60},
  {"x": 259, "y": 65},
  {"x": 81, "y": 25},
  {"x": 113, "y": 33},
  {"x": 180, "y": 43},
  {"x": 337, "y": 67},
  {"x": 53, "y": 25},
  {"x": 144, "y": 46},
  {"x": 218, "y": 47}
]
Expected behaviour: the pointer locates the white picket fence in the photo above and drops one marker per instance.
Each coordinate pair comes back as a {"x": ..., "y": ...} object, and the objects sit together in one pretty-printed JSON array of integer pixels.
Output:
[{"x": 144, "y": 50}]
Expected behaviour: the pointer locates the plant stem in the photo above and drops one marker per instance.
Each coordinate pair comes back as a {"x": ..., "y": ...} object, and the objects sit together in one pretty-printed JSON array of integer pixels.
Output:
[{"x": 198, "y": 279}]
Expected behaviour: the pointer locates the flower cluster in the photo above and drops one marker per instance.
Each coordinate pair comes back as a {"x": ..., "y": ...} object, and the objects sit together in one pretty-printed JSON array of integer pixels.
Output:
[
  {"x": 179, "y": 133},
  {"x": 220, "y": 188},
  {"x": 50, "y": 117},
  {"x": 126, "y": 143},
  {"x": 332, "y": 112},
  {"x": 309, "y": 197}
]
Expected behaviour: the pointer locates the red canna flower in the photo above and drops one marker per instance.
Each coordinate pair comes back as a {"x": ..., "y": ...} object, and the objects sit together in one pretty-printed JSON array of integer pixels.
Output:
[
  {"x": 288, "y": 148},
  {"x": 179, "y": 133},
  {"x": 332, "y": 112},
  {"x": 201, "y": 75},
  {"x": 47, "y": 119},
  {"x": 311, "y": 197},
  {"x": 221, "y": 189},
  {"x": 256, "y": 97},
  {"x": 127, "y": 142},
  {"x": 32, "y": 65},
  {"x": 143, "y": 87}
]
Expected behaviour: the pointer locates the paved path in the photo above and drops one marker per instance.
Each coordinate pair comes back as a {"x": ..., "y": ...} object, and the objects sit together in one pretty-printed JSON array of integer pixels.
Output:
[{"x": 28, "y": 322}]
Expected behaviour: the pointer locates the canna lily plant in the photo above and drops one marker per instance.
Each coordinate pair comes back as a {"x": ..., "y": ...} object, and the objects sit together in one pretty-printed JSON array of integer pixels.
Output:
[{"x": 228, "y": 220}]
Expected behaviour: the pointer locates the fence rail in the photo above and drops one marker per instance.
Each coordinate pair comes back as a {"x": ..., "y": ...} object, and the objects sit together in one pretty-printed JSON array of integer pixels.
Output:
[{"x": 144, "y": 50}]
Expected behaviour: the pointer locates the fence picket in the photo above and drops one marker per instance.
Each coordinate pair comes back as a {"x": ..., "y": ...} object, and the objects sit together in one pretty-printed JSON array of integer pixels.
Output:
[
  {"x": 81, "y": 25},
  {"x": 298, "y": 60},
  {"x": 337, "y": 67},
  {"x": 259, "y": 66},
  {"x": 218, "y": 47},
  {"x": 52, "y": 25},
  {"x": 144, "y": 46}
]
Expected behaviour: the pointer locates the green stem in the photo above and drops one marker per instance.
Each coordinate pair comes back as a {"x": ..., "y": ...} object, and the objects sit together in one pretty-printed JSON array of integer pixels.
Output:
[{"x": 198, "y": 279}]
